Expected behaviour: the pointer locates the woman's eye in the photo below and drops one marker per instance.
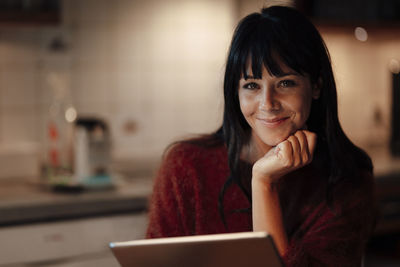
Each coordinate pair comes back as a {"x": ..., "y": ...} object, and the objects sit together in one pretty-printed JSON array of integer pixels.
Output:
[
  {"x": 251, "y": 86},
  {"x": 286, "y": 83}
]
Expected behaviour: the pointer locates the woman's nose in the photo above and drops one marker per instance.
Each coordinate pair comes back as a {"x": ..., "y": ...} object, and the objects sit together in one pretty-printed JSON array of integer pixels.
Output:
[{"x": 268, "y": 101}]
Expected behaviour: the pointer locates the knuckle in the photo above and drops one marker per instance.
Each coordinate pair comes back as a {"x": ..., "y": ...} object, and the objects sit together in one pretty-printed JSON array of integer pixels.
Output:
[
  {"x": 299, "y": 134},
  {"x": 288, "y": 162},
  {"x": 286, "y": 144}
]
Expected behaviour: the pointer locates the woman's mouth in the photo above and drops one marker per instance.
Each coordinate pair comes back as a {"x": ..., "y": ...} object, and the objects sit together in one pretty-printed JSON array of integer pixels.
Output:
[{"x": 272, "y": 122}]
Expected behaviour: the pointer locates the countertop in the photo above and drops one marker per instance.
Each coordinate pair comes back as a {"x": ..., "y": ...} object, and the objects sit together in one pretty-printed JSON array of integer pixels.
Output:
[
  {"x": 27, "y": 200},
  {"x": 384, "y": 163}
]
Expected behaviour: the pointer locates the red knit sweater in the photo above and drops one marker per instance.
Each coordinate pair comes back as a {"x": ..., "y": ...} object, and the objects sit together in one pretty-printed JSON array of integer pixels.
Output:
[{"x": 185, "y": 202}]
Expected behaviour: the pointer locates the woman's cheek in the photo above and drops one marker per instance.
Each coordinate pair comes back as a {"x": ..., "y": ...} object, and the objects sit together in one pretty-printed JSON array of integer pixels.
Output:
[
  {"x": 246, "y": 104},
  {"x": 302, "y": 107}
]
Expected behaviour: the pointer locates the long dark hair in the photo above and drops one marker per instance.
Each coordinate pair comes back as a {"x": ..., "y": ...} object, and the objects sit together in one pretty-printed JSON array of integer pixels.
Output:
[{"x": 283, "y": 32}]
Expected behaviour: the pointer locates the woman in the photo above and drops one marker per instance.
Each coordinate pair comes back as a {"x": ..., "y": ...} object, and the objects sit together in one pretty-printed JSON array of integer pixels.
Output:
[{"x": 280, "y": 163}]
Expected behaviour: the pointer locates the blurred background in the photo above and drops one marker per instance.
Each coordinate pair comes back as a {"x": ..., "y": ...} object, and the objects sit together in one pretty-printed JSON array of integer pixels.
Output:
[{"x": 92, "y": 92}]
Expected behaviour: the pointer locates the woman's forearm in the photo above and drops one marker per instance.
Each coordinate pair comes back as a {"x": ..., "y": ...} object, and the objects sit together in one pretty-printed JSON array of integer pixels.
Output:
[
  {"x": 291, "y": 154},
  {"x": 267, "y": 213}
]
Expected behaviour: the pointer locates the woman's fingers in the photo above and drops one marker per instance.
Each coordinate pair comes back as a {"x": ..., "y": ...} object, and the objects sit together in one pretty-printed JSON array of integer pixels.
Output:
[
  {"x": 296, "y": 150},
  {"x": 302, "y": 145},
  {"x": 305, "y": 153},
  {"x": 312, "y": 143},
  {"x": 286, "y": 153},
  {"x": 293, "y": 153}
]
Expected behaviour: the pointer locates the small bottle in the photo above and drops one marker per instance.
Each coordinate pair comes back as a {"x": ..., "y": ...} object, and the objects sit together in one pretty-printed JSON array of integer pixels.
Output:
[{"x": 59, "y": 148}]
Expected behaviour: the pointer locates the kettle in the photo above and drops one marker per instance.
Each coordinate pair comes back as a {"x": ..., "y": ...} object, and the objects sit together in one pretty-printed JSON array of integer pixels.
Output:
[{"x": 92, "y": 152}]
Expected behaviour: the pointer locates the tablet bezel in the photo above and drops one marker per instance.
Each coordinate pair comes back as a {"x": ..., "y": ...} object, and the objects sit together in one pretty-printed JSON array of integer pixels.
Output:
[{"x": 190, "y": 250}]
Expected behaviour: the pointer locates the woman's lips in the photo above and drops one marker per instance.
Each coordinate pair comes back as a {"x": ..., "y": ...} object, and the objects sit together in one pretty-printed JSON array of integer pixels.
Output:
[{"x": 272, "y": 123}]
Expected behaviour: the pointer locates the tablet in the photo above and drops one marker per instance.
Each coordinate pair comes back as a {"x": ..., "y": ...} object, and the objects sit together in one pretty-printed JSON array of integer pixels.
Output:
[{"x": 250, "y": 249}]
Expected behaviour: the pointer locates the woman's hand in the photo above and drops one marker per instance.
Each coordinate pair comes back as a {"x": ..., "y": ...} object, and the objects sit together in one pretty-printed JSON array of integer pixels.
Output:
[{"x": 293, "y": 153}]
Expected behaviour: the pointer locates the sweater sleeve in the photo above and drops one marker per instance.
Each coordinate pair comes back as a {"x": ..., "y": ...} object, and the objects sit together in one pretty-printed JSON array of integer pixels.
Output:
[
  {"x": 336, "y": 236},
  {"x": 170, "y": 205}
]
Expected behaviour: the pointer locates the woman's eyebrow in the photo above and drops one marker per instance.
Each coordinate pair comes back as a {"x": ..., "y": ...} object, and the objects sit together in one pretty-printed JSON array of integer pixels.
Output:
[{"x": 280, "y": 75}]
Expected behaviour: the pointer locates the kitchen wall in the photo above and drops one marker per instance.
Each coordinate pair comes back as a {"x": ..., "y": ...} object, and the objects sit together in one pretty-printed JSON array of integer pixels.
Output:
[
  {"x": 154, "y": 70},
  {"x": 363, "y": 78}
]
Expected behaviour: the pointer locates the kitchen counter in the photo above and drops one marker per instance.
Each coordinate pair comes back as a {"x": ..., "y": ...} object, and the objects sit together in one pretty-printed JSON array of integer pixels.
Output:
[
  {"x": 29, "y": 201},
  {"x": 384, "y": 163},
  {"x": 119, "y": 214}
]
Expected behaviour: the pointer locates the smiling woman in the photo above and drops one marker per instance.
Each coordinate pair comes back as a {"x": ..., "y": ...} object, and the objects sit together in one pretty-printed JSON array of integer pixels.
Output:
[
  {"x": 280, "y": 162},
  {"x": 275, "y": 107}
]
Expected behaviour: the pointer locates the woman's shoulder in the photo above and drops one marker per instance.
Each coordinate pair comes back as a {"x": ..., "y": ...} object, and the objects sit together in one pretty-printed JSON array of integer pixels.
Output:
[
  {"x": 194, "y": 148},
  {"x": 189, "y": 152},
  {"x": 186, "y": 164}
]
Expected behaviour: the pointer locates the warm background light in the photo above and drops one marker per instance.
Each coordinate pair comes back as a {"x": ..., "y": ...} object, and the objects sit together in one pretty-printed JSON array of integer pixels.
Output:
[
  {"x": 159, "y": 65},
  {"x": 361, "y": 34}
]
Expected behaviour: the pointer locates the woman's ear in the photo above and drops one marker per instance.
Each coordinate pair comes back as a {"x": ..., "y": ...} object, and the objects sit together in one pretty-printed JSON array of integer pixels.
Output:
[{"x": 316, "y": 89}]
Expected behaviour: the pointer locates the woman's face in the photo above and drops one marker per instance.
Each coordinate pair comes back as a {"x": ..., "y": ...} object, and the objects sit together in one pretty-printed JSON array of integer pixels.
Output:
[{"x": 275, "y": 107}]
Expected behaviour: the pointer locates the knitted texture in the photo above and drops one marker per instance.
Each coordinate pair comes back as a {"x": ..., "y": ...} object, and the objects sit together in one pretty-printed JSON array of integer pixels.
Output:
[{"x": 185, "y": 202}]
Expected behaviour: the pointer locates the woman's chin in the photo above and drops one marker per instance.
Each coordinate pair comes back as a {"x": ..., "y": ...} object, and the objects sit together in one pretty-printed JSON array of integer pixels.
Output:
[
  {"x": 275, "y": 141},
  {"x": 272, "y": 140}
]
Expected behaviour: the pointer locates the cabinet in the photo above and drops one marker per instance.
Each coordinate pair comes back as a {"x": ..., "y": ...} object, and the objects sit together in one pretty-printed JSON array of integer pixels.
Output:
[
  {"x": 31, "y": 12},
  {"x": 73, "y": 243}
]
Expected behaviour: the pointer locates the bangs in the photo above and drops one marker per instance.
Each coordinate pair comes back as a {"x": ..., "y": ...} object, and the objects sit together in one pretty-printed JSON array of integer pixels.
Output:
[{"x": 269, "y": 51}]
